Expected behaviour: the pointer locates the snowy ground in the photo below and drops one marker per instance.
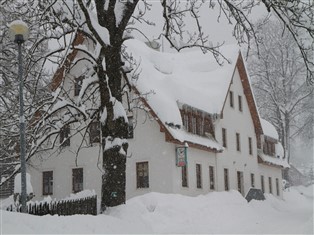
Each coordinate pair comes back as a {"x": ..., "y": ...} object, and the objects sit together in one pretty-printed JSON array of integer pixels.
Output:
[{"x": 217, "y": 212}]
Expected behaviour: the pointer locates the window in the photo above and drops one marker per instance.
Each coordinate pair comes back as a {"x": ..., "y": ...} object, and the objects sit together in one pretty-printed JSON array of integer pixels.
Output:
[
  {"x": 240, "y": 181},
  {"x": 201, "y": 126},
  {"x": 194, "y": 125},
  {"x": 130, "y": 128},
  {"x": 211, "y": 178},
  {"x": 270, "y": 185},
  {"x": 78, "y": 85},
  {"x": 77, "y": 180},
  {"x": 47, "y": 182},
  {"x": 238, "y": 142},
  {"x": 184, "y": 171},
  {"x": 252, "y": 180},
  {"x": 277, "y": 186},
  {"x": 198, "y": 176},
  {"x": 250, "y": 146},
  {"x": 142, "y": 175},
  {"x": 186, "y": 121},
  {"x": 269, "y": 147},
  {"x": 231, "y": 99},
  {"x": 240, "y": 103},
  {"x": 262, "y": 184},
  {"x": 94, "y": 132},
  {"x": 195, "y": 121},
  {"x": 226, "y": 179},
  {"x": 224, "y": 137},
  {"x": 64, "y": 136}
]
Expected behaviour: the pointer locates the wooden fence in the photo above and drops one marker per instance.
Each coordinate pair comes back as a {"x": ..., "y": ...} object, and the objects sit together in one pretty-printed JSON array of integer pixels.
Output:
[{"x": 84, "y": 206}]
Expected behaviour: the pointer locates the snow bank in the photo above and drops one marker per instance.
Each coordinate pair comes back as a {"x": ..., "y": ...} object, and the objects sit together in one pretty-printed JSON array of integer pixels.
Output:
[{"x": 216, "y": 212}]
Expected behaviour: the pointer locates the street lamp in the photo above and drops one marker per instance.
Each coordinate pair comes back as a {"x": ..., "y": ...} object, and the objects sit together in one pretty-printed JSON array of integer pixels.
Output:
[{"x": 19, "y": 32}]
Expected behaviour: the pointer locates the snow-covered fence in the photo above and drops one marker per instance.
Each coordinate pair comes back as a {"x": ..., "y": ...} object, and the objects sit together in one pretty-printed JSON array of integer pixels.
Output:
[{"x": 86, "y": 205}]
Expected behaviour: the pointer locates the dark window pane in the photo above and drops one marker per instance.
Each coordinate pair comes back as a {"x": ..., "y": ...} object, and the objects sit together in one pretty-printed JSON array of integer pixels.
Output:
[
  {"x": 211, "y": 178},
  {"x": 226, "y": 179},
  {"x": 65, "y": 136},
  {"x": 78, "y": 85},
  {"x": 231, "y": 98},
  {"x": 198, "y": 176},
  {"x": 224, "y": 137},
  {"x": 240, "y": 103},
  {"x": 184, "y": 176},
  {"x": 47, "y": 182},
  {"x": 142, "y": 175},
  {"x": 77, "y": 180},
  {"x": 94, "y": 132}
]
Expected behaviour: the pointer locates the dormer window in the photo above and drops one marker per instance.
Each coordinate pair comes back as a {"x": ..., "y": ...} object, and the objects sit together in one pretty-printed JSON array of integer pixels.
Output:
[
  {"x": 78, "y": 85},
  {"x": 269, "y": 147},
  {"x": 194, "y": 125},
  {"x": 196, "y": 122}
]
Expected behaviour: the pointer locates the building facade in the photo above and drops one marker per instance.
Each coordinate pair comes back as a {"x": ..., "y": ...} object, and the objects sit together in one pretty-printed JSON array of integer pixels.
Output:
[{"x": 189, "y": 137}]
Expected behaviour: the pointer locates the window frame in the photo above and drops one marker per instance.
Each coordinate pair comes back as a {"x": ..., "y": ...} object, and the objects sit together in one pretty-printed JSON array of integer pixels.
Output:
[
  {"x": 78, "y": 85},
  {"x": 240, "y": 181},
  {"x": 94, "y": 132},
  {"x": 277, "y": 187},
  {"x": 211, "y": 170},
  {"x": 226, "y": 179},
  {"x": 270, "y": 184},
  {"x": 65, "y": 132},
  {"x": 184, "y": 177},
  {"x": 238, "y": 142},
  {"x": 130, "y": 128},
  {"x": 250, "y": 146},
  {"x": 224, "y": 137},
  {"x": 231, "y": 100},
  {"x": 262, "y": 184},
  {"x": 47, "y": 181},
  {"x": 141, "y": 182},
  {"x": 240, "y": 103},
  {"x": 198, "y": 173},
  {"x": 252, "y": 180},
  {"x": 194, "y": 124},
  {"x": 77, "y": 179}
]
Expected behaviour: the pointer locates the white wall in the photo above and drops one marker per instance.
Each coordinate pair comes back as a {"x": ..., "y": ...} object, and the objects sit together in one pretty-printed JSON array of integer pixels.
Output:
[
  {"x": 235, "y": 121},
  {"x": 149, "y": 145}
]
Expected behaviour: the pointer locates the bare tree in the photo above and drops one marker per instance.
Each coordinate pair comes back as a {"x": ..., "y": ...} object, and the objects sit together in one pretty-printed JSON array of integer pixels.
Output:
[
  {"x": 35, "y": 81},
  {"x": 279, "y": 82},
  {"x": 107, "y": 24}
]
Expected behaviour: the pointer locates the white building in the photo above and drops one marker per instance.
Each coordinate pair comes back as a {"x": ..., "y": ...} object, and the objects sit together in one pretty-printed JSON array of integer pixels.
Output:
[{"x": 193, "y": 105}]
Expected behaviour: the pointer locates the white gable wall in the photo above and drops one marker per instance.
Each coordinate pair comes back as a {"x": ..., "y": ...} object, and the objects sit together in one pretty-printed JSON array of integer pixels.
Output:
[{"x": 235, "y": 121}]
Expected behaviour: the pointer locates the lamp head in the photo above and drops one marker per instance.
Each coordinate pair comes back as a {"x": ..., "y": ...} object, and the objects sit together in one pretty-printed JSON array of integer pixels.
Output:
[{"x": 18, "y": 31}]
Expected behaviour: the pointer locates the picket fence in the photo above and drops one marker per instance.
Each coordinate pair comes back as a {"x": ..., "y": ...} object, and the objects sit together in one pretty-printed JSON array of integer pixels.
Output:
[{"x": 84, "y": 206}]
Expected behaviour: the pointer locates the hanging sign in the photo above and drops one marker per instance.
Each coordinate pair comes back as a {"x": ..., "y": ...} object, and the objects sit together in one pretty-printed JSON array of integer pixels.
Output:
[{"x": 181, "y": 156}]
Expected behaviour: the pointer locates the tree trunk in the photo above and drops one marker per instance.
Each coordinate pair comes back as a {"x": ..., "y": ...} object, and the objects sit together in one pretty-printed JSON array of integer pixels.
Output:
[{"x": 115, "y": 128}]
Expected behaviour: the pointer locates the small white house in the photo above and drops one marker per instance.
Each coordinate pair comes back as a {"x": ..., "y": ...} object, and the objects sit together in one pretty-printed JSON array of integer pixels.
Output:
[{"x": 197, "y": 130}]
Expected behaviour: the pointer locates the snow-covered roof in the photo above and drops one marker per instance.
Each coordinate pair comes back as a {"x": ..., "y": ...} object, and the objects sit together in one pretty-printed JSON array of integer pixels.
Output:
[
  {"x": 191, "y": 78},
  {"x": 274, "y": 160},
  {"x": 269, "y": 129},
  {"x": 278, "y": 159}
]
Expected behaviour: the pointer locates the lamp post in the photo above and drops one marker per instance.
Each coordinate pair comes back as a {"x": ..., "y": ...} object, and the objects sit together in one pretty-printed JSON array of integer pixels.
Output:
[{"x": 19, "y": 32}]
